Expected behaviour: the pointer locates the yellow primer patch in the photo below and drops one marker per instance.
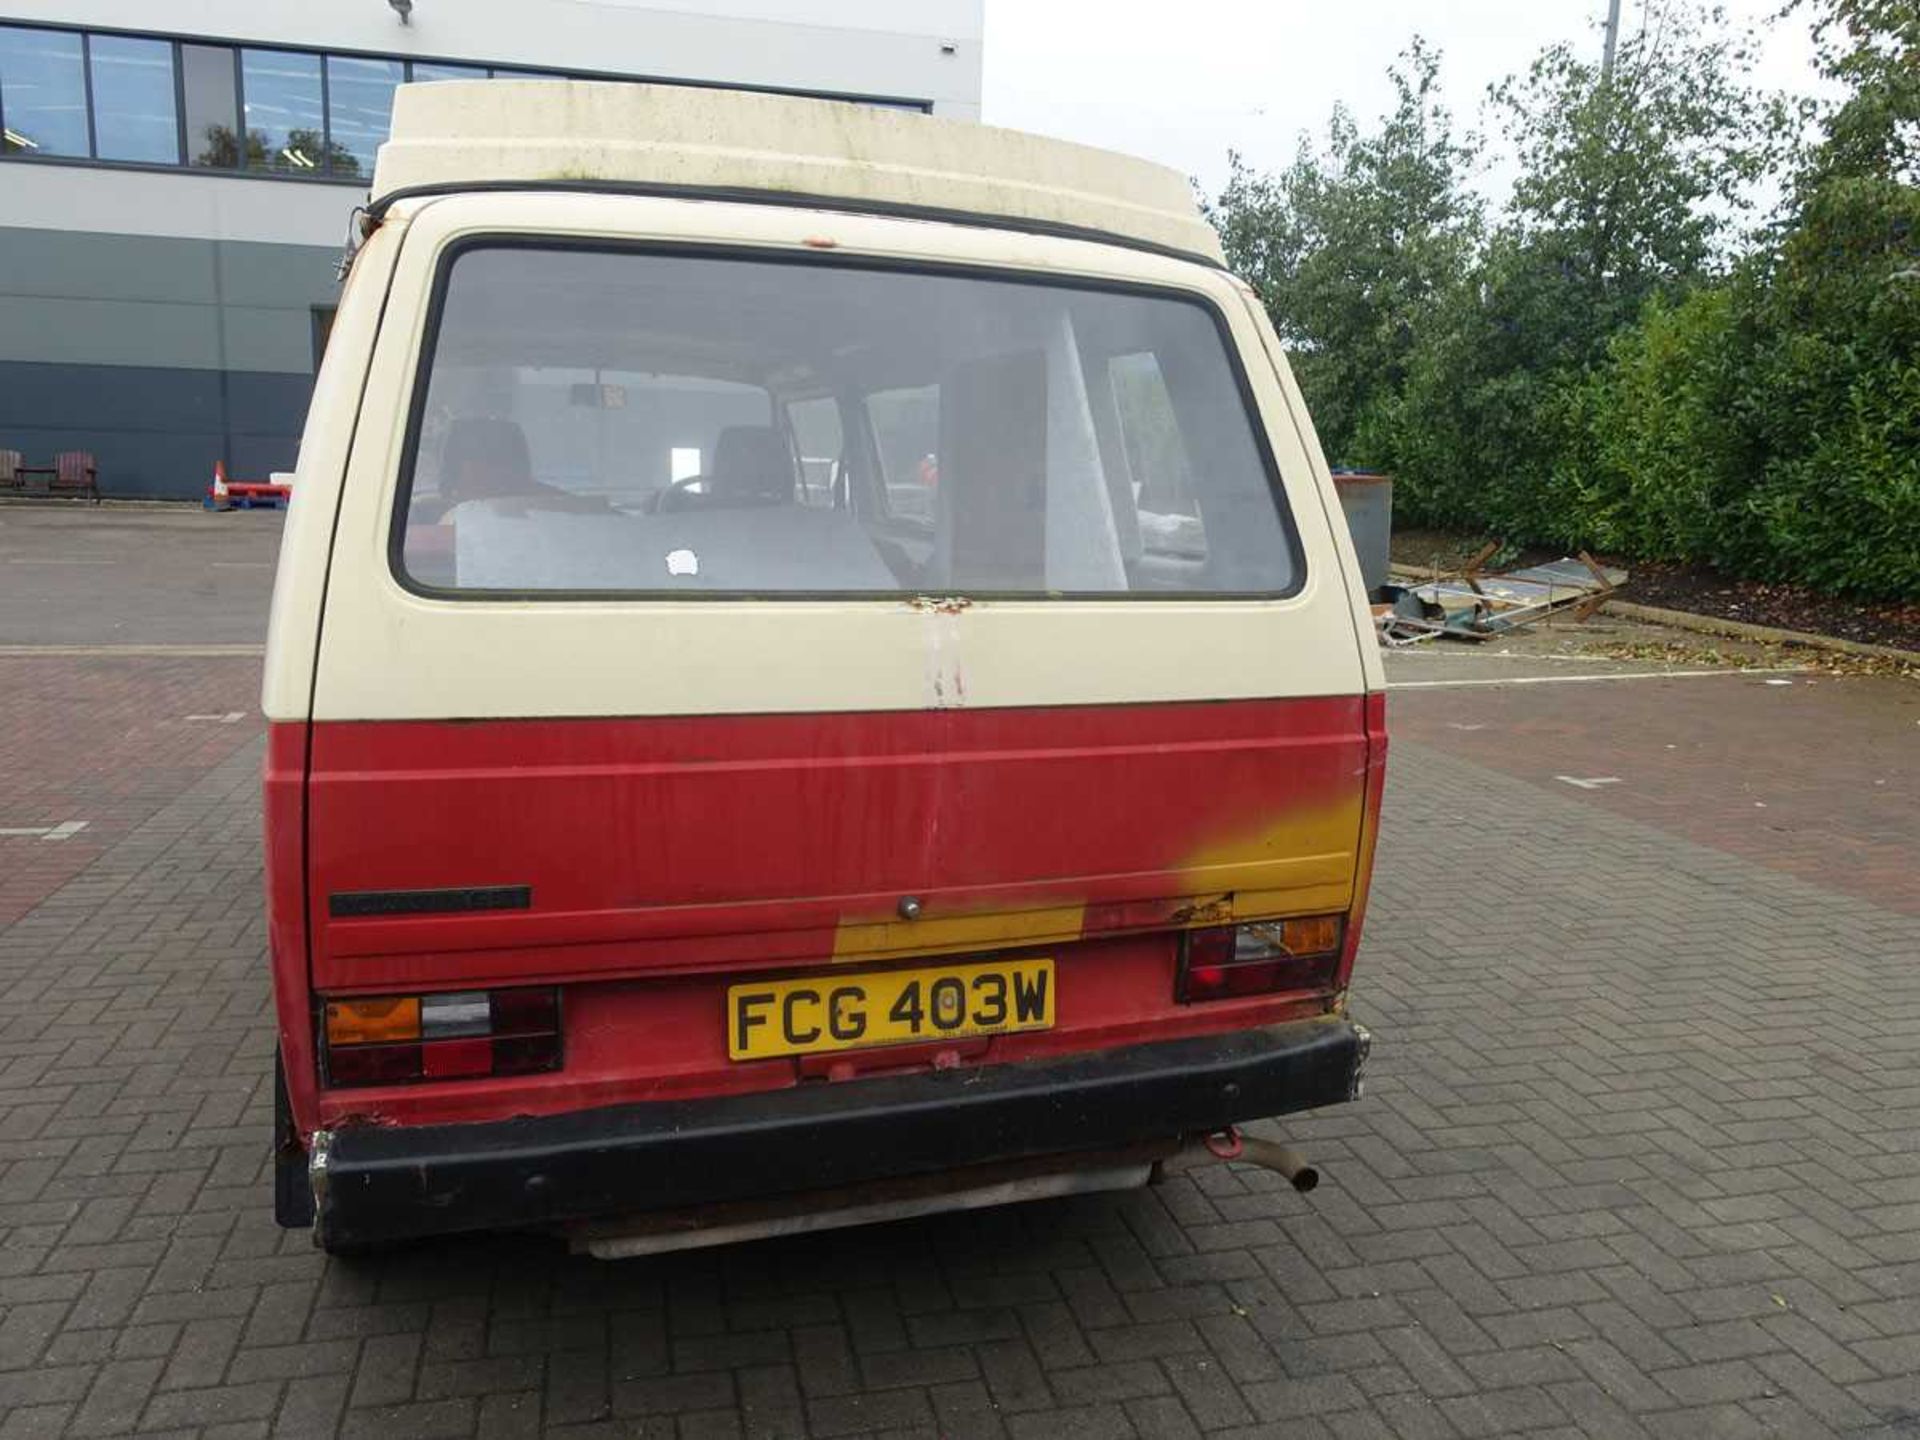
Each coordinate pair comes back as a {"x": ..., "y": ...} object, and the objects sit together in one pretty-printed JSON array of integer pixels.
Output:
[
  {"x": 944, "y": 934},
  {"x": 1302, "y": 861}
]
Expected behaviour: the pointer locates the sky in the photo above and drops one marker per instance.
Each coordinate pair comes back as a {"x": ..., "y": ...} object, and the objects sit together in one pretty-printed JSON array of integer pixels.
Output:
[{"x": 1184, "y": 81}]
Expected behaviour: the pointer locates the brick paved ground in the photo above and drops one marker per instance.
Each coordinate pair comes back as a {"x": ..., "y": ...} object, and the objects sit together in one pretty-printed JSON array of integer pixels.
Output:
[
  {"x": 1805, "y": 774},
  {"x": 1639, "y": 1155},
  {"x": 107, "y": 740}
]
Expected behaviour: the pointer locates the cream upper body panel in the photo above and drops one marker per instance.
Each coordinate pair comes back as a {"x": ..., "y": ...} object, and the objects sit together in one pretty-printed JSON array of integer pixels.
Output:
[
  {"x": 1332, "y": 514},
  {"x": 300, "y": 578},
  {"x": 387, "y": 652},
  {"x": 482, "y": 133}
]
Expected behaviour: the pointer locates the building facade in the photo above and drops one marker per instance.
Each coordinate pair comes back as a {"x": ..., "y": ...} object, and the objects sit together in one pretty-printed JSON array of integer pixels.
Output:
[{"x": 177, "y": 178}]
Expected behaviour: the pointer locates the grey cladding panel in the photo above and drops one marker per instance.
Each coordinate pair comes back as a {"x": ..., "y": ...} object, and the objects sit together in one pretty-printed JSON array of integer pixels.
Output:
[
  {"x": 81, "y": 298},
  {"x": 91, "y": 397},
  {"x": 278, "y": 341},
  {"x": 259, "y": 404},
  {"x": 257, "y": 456},
  {"x": 288, "y": 276},
  {"x": 78, "y": 264},
  {"x": 108, "y": 332}
]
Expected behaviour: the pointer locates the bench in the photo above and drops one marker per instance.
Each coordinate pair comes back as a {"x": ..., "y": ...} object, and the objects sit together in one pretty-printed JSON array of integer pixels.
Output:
[{"x": 74, "y": 471}]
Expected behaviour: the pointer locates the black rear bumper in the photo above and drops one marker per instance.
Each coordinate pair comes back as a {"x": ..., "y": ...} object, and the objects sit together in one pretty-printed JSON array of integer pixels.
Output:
[{"x": 386, "y": 1183}]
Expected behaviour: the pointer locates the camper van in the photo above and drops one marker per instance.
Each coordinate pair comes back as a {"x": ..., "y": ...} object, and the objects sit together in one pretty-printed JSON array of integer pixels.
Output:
[{"x": 815, "y": 674}]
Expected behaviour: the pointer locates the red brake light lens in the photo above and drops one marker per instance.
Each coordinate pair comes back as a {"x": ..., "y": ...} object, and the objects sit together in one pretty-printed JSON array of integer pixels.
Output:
[
  {"x": 526, "y": 1012},
  {"x": 397, "y": 1040},
  {"x": 1268, "y": 957},
  {"x": 373, "y": 1064}
]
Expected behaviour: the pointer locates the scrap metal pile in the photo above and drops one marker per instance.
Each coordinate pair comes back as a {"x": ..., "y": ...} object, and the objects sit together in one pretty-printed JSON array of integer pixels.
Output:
[{"x": 1474, "y": 605}]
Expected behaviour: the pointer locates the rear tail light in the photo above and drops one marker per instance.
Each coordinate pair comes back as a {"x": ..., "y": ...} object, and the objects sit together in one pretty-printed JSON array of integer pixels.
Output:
[
  {"x": 1226, "y": 962},
  {"x": 397, "y": 1039}
]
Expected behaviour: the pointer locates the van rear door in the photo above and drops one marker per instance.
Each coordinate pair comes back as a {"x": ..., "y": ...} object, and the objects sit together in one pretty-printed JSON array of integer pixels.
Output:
[{"x": 618, "y": 678}]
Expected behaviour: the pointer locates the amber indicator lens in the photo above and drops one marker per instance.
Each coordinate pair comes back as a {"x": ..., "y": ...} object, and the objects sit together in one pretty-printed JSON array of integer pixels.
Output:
[
  {"x": 373, "y": 1022},
  {"x": 1311, "y": 934}
]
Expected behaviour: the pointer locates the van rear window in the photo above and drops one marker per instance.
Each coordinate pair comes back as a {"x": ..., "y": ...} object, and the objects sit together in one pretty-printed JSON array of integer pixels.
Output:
[{"x": 599, "y": 421}]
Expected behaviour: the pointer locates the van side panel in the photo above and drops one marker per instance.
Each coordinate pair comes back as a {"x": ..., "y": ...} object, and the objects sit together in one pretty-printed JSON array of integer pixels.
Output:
[
  {"x": 293, "y": 639},
  {"x": 1332, "y": 520},
  {"x": 306, "y": 541},
  {"x": 283, "y": 817},
  {"x": 1376, "y": 790}
]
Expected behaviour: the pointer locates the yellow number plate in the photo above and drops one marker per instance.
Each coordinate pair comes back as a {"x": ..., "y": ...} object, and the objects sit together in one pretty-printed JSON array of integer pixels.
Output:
[{"x": 892, "y": 1007}]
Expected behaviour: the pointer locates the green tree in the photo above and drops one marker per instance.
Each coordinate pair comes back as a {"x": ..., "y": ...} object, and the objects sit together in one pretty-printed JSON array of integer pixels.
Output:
[
  {"x": 1354, "y": 246},
  {"x": 1631, "y": 189},
  {"x": 1631, "y": 186},
  {"x": 1771, "y": 423},
  {"x": 1625, "y": 359},
  {"x": 1838, "y": 358},
  {"x": 223, "y": 149},
  {"x": 1872, "y": 48}
]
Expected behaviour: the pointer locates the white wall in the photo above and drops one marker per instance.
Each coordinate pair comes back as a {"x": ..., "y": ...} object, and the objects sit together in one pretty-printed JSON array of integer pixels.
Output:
[
  {"x": 185, "y": 204},
  {"x": 889, "y": 48}
]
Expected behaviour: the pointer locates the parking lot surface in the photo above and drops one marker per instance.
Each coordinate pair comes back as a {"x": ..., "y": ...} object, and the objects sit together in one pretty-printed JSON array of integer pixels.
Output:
[{"x": 1639, "y": 1154}]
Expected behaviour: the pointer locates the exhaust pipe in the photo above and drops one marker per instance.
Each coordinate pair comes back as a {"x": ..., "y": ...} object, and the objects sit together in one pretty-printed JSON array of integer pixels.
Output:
[
  {"x": 1282, "y": 1160},
  {"x": 1230, "y": 1144}
]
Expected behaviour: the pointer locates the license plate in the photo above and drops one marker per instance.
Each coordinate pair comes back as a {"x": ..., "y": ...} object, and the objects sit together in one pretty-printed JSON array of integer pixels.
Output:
[{"x": 888, "y": 1007}]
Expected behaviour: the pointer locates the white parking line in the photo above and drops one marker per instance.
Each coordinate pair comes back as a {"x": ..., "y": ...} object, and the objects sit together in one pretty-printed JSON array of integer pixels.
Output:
[
  {"x": 1581, "y": 679},
  {"x": 232, "y": 717},
  {"x": 54, "y": 652},
  {"x": 65, "y": 830},
  {"x": 1589, "y": 782}
]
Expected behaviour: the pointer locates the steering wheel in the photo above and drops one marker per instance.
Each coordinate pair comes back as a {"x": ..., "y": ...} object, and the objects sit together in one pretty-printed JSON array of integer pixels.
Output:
[{"x": 670, "y": 498}]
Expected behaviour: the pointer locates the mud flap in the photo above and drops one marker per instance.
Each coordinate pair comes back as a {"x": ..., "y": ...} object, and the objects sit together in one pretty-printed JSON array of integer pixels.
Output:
[{"x": 292, "y": 1196}]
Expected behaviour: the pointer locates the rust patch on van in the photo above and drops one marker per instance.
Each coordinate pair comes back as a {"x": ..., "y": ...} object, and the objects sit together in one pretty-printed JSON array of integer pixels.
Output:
[
  {"x": 1217, "y": 911},
  {"x": 940, "y": 604}
]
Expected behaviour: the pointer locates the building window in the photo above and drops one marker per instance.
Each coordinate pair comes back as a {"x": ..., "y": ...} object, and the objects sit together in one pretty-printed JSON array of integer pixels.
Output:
[
  {"x": 209, "y": 79},
  {"x": 423, "y": 71},
  {"x": 43, "y": 93},
  {"x": 359, "y": 109},
  {"x": 285, "y": 116},
  {"x": 133, "y": 100},
  {"x": 160, "y": 100}
]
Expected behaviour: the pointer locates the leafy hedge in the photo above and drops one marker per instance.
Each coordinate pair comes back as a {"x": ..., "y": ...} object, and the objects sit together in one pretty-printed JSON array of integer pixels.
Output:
[
  {"x": 1770, "y": 424},
  {"x": 1614, "y": 364}
]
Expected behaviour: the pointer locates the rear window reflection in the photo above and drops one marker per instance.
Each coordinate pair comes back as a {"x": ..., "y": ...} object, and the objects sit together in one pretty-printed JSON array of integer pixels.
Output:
[{"x": 626, "y": 422}]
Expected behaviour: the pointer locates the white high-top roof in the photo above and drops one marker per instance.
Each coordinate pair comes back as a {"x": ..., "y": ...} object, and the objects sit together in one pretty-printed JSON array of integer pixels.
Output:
[{"x": 492, "y": 132}]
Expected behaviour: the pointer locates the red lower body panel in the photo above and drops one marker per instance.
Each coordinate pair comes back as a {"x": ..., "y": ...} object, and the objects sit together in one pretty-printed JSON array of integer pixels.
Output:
[{"x": 640, "y": 863}]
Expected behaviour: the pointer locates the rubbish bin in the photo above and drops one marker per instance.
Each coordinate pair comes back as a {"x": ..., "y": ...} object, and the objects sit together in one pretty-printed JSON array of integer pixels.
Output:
[{"x": 1367, "y": 498}]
